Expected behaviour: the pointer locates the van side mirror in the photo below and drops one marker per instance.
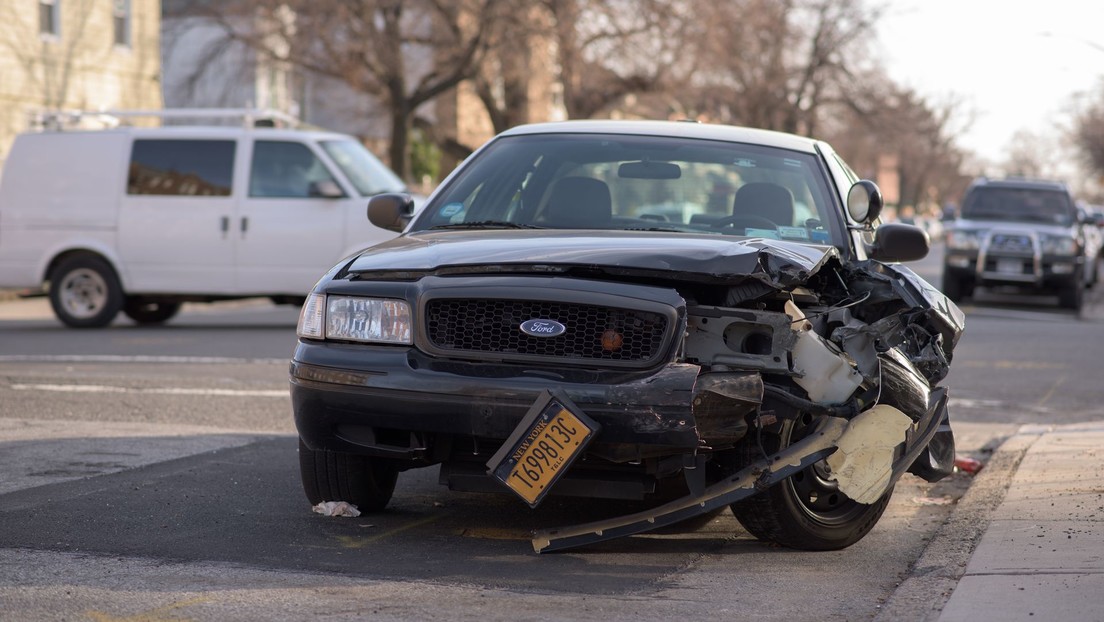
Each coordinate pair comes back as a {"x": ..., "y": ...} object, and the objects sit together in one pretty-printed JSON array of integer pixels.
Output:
[
  {"x": 895, "y": 241},
  {"x": 325, "y": 189},
  {"x": 391, "y": 211}
]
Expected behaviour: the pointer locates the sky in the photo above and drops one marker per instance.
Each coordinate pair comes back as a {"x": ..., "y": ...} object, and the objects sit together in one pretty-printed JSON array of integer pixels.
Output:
[{"x": 1013, "y": 65}]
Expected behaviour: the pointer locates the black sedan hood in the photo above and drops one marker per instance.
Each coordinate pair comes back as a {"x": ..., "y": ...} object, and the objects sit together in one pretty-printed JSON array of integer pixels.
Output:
[{"x": 695, "y": 257}]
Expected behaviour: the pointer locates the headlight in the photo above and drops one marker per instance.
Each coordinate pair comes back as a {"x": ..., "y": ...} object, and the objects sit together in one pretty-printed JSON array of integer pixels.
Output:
[
  {"x": 1059, "y": 245},
  {"x": 962, "y": 240},
  {"x": 352, "y": 318}
]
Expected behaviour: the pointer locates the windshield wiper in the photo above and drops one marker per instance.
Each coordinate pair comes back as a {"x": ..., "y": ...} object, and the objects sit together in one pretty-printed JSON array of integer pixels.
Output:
[
  {"x": 666, "y": 229},
  {"x": 487, "y": 224}
]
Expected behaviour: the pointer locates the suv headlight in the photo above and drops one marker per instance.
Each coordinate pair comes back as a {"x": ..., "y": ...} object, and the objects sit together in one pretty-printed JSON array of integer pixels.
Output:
[
  {"x": 962, "y": 240},
  {"x": 1059, "y": 245},
  {"x": 352, "y": 318}
]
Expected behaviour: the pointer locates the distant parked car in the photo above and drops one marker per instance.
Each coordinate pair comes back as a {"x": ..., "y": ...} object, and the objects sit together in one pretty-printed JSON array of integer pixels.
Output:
[{"x": 1020, "y": 234}]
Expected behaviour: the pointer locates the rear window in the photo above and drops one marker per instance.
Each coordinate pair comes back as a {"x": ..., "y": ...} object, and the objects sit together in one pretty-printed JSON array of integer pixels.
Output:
[
  {"x": 1037, "y": 205},
  {"x": 181, "y": 167}
]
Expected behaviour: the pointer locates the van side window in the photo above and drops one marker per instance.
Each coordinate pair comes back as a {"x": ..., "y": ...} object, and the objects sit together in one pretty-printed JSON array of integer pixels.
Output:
[
  {"x": 181, "y": 167},
  {"x": 285, "y": 169}
]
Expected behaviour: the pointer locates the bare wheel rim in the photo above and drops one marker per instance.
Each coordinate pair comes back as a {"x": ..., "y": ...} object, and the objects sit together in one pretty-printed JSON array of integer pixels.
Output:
[
  {"x": 83, "y": 293},
  {"x": 819, "y": 496}
]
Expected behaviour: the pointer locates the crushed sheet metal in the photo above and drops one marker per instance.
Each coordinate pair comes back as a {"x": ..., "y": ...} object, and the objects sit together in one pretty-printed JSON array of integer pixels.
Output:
[
  {"x": 863, "y": 464},
  {"x": 744, "y": 483}
]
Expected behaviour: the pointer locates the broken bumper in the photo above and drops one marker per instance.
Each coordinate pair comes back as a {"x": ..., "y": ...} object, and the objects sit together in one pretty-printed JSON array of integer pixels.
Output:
[
  {"x": 748, "y": 481},
  {"x": 345, "y": 400}
]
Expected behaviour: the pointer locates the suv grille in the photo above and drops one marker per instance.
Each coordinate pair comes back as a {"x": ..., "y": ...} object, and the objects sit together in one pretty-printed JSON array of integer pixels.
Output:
[
  {"x": 1008, "y": 243},
  {"x": 594, "y": 333}
]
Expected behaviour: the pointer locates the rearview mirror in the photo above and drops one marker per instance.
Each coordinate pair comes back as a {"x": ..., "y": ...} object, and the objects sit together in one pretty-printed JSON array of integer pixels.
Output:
[
  {"x": 391, "y": 211},
  {"x": 647, "y": 169}
]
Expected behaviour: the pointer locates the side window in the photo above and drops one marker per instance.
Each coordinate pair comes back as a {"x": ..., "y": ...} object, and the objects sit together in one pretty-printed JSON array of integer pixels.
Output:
[
  {"x": 181, "y": 167},
  {"x": 283, "y": 169}
]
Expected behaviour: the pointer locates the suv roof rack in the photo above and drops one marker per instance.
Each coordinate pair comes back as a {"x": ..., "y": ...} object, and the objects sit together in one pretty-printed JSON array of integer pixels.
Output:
[{"x": 59, "y": 120}]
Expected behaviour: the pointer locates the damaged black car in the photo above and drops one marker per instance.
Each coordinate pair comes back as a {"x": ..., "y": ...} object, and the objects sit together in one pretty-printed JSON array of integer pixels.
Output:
[{"x": 703, "y": 315}]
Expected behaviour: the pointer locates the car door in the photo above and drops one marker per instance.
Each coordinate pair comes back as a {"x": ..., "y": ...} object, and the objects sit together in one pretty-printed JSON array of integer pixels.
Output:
[
  {"x": 175, "y": 216},
  {"x": 287, "y": 234}
]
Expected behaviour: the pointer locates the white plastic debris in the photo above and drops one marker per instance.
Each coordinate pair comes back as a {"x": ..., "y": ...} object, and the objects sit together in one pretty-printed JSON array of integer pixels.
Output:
[
  {"x": 336, "y": 508},
  {"x": 827, "y": 374},
  {"x": 864, "y": 462}
]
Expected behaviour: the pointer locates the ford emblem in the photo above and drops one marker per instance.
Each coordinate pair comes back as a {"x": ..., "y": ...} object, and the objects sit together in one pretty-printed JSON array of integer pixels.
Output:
[{"x": 543, "y": 328}]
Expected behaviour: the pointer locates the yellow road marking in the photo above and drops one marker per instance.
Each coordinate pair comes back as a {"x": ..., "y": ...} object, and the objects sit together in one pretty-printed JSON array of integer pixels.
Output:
[
  {"x": 356, "y": 542},
  {"x": 495, "y": 533},
  {"x": 153, "y": 615},
  {"x": 1050, "y": 393},
  {"x": 1013, "y": 364}
]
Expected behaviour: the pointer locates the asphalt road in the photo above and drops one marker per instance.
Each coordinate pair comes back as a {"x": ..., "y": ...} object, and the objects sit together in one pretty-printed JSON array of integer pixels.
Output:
[{"x": 150, "y": 473}]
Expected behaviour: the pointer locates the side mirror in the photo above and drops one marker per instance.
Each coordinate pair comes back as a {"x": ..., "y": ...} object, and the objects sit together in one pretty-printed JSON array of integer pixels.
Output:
[
  {"x": 864, "y": 201},
  {"x": 896, "y": 241},
  {"x": 326, "y": 189},
  {"x": 390, "y": 211}
]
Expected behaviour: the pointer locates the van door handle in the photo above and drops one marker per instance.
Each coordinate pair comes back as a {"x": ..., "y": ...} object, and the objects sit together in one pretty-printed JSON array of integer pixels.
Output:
[
  {"x": 244, "y": 225},
  {"x": 225, "y": 225}
]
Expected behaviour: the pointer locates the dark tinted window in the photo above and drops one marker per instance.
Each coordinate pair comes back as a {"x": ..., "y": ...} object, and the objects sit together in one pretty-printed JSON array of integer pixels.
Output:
[
  {"x": 181, "y": 167},
  {"x": 1019, "y": 204}
]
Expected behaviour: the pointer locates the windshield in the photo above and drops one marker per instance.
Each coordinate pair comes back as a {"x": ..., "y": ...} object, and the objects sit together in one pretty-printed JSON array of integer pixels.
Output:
[
  {"x": 1019, "y": 205},
  {"x": 367, "y": 173},
  {"x": 648, "y": 183}
]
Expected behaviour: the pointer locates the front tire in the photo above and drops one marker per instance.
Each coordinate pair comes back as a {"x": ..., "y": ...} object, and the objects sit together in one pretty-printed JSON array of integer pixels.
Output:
[
  {"x": 85, "y": 292},
  {"x": 1072, "y": 296},
  {"x": 805, "y": 511},
  {"x": 365, "y": 482},
  {"x": 955, "y": 287}
]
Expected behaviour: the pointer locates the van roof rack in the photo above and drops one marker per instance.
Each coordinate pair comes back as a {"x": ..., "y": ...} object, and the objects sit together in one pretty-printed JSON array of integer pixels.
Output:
[{"x": 58, "y": 120}]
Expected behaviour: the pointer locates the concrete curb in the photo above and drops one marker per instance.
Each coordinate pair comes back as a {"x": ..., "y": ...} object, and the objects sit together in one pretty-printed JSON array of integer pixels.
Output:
[{"x": 937, "y": 572}]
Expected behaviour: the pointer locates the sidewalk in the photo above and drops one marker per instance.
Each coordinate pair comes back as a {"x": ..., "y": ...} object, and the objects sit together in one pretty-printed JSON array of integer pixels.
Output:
[{"x": 1036, "y": 514}]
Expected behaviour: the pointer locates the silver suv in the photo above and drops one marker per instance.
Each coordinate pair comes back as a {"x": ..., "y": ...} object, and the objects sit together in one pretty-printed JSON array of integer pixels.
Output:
[{"x": 1019, "y": 234}]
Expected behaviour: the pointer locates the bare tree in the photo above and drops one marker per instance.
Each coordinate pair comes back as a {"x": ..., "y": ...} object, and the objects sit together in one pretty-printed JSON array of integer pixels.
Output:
[
  {"x": 883, "y": 121},
  {"x": 1088, "y": 134},
  {"x": 775, "y": 63},
  {"x": 401, "y": 53}
]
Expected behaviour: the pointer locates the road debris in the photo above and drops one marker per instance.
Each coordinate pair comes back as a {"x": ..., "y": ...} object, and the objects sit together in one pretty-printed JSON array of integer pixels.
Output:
[
  {"x": 336, "y": 508},
  {"x": 968, "y": 465}
]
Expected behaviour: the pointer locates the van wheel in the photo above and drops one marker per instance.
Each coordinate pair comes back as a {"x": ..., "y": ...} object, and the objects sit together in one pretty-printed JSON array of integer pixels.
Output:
[
  {"x": 150, "y": 311},
  {"x": 84, "y": 292},
  {"x": 365, "y": 482}
]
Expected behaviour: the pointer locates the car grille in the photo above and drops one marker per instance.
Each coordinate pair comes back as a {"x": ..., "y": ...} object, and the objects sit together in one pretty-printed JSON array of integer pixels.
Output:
[
  {"x": 593, "y": 333},
  {"x": 1007, "y": 243}
]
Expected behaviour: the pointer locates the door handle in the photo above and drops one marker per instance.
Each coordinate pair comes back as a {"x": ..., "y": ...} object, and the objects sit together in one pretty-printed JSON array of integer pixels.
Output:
[
  {"x": 244, "y": 225},
  {"x": 225, "y": 225}
]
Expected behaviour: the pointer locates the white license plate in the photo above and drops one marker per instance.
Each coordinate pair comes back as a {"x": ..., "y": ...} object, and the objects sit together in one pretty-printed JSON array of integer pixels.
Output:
[{"x": 1009, "y": 266}]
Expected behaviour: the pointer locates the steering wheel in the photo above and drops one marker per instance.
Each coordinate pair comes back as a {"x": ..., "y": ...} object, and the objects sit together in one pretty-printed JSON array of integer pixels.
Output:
[{"x": 747, "y": 220}]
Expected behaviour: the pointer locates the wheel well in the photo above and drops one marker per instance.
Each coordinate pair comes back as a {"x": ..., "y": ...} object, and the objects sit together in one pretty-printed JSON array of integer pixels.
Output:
[{"x": 78, "y": 252}]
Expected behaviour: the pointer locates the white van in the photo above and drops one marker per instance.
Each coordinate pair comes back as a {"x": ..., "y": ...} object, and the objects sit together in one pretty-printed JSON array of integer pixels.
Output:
[{"x": 144, "y": 219}]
